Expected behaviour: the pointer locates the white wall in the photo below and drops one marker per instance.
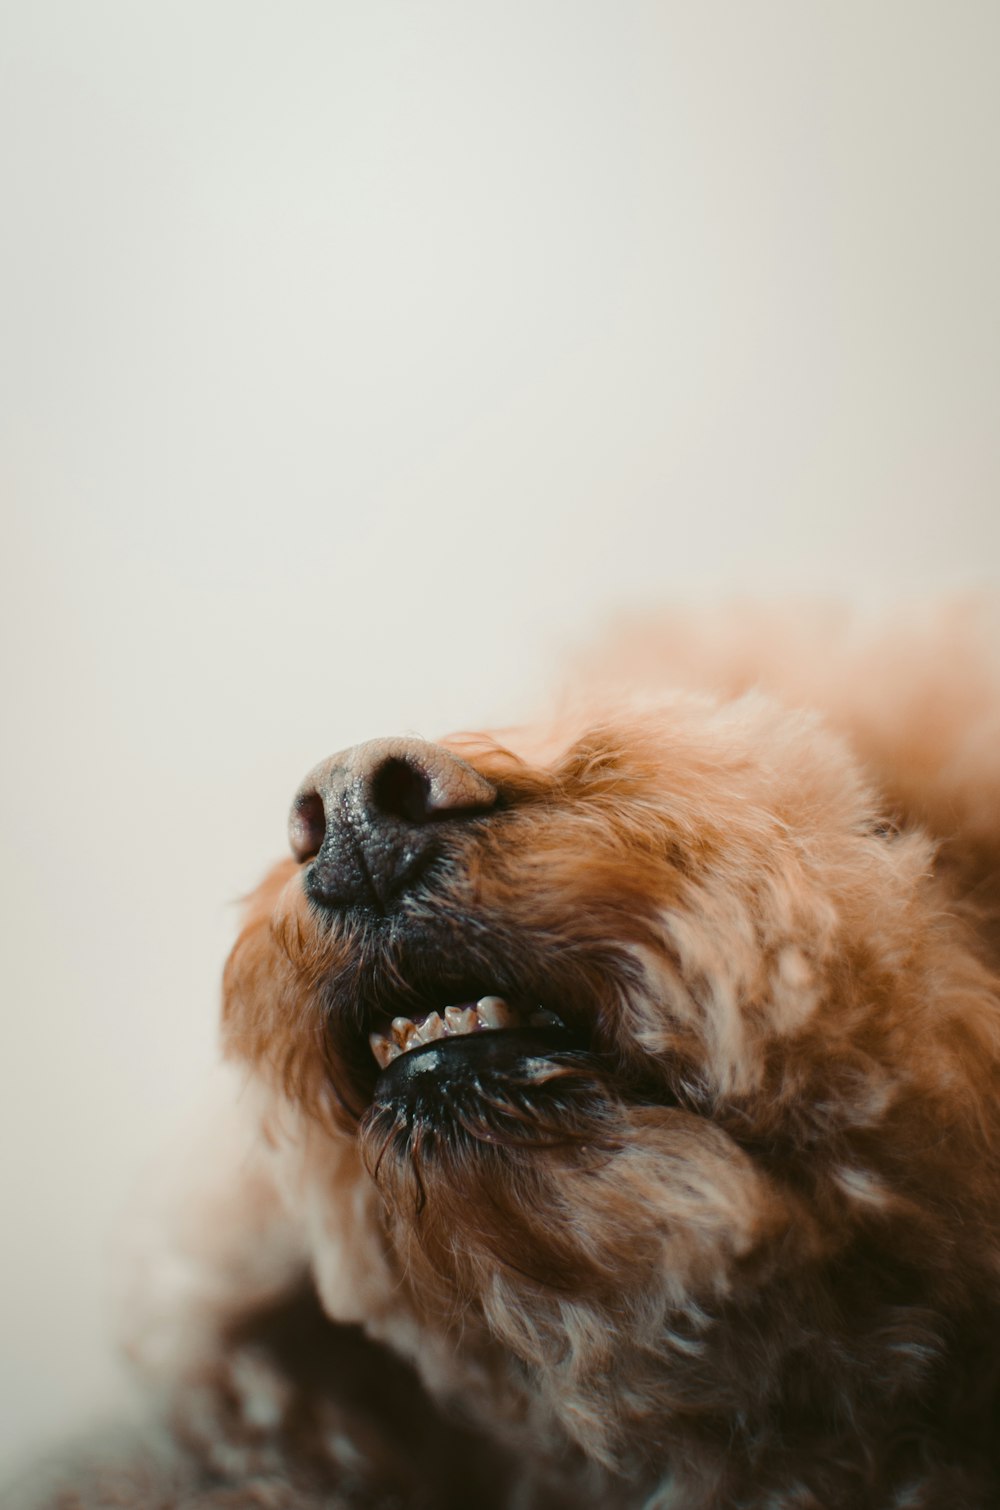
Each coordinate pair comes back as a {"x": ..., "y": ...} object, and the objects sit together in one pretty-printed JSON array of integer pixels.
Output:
[{"x": 356, "y": 356}]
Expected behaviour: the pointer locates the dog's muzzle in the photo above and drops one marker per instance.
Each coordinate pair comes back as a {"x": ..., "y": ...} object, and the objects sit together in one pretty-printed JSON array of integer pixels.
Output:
[{"x": 370, "y": 826}]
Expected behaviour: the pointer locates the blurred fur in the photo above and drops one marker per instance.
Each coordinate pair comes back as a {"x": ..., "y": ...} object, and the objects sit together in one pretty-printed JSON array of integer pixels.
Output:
[{"x": 745, "y": 1251}]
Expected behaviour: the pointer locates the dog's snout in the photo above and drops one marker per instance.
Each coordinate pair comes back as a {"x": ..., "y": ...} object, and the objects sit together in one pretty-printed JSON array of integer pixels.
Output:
[{"x": 367, "y": 817}]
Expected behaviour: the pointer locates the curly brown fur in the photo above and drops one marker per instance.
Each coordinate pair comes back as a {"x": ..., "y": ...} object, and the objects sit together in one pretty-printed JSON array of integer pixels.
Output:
[{"x": 736, "y": 1242}]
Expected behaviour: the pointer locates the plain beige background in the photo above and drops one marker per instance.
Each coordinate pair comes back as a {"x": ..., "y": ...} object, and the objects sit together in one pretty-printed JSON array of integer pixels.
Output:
[{"x": 355, "y": 357}]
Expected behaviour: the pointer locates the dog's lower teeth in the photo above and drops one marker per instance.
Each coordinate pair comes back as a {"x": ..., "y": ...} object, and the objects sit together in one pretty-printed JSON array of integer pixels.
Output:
[
  {"x": 461, "y": 1019},
  {"x": 432, "y": 1027},
  {"x": 489, "y": 1015},
  {"x": 403, "y": 1030},
  {"x": 384, "y": 1049},
  {"x": 493, "y": 1012}
]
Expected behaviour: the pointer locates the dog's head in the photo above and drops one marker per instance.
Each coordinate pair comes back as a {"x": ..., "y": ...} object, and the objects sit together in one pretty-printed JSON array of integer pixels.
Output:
[{"x": 669, "y": 1061}]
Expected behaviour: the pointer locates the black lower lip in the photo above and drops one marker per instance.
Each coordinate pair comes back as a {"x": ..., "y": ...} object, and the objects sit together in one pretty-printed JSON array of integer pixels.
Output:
[{"x": 499, "y": 1051}]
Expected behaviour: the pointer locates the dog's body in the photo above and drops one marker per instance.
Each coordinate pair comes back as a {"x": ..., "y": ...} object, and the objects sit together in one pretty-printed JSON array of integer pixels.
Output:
[{"x": 721, "y": 1227}]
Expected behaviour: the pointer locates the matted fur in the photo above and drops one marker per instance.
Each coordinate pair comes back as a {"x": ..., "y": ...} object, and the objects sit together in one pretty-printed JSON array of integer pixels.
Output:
[{"x": 745, "y": 1251}]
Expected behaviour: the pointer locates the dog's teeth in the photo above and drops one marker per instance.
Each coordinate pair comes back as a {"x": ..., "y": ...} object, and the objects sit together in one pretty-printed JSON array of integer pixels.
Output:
[
  {"x": 432, "y": 1027},
  {"x": 384, "y": 1049},
  {"x": 461, "y": 1019},
  {"x": 490, "y": 1014},
  {"x": 403, "y": 1030},
  {"x": 493, "y": 1012},
  {"x": 543, "y": 1018}
]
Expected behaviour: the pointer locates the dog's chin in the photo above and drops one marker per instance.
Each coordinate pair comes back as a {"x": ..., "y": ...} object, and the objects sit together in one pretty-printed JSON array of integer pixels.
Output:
[{"x": 467, "y": 1142}]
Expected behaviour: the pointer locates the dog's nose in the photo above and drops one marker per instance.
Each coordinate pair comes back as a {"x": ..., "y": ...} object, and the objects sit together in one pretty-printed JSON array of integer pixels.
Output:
[{"x": 369, "y": 818}]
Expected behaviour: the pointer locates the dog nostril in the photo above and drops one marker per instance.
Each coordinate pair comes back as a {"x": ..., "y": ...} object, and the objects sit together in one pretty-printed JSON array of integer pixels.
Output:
[
  {"x": 307, "y": 826},
  {"x": 401, "y": 790}
]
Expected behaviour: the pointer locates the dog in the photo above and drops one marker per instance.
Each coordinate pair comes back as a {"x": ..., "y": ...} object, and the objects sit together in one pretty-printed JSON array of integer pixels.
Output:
[{"x": 616, "y": 1108}]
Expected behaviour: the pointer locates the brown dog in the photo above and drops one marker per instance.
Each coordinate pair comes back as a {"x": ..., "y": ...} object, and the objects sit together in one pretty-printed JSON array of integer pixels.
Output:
[{"x": 637, "y": 1083}]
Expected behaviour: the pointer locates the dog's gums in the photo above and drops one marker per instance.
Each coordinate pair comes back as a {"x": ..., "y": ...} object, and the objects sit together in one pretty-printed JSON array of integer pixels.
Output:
[{"x": 637, "y": 1081}]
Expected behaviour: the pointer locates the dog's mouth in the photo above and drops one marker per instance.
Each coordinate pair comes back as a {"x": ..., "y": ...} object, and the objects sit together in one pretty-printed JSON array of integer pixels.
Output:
[
  {"x": 423, "y": 1011},
  {"x": 456, "y": 1024},
  {"x": 468, "y": 1052},
  {"x": 488, "y": 1071},
  {"x": 460, "y": 1043}
]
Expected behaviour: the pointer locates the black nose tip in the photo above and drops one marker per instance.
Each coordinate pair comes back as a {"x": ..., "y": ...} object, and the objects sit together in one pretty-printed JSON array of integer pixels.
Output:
[{"x": 369, "y": 818}]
